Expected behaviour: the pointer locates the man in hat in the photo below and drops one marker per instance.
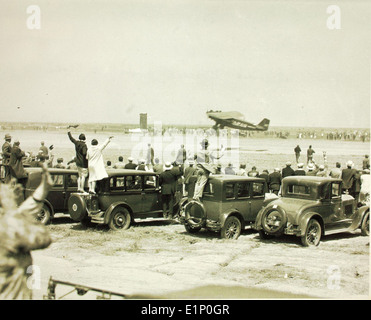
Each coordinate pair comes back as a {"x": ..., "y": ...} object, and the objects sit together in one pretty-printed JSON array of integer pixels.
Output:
[
  {"x": 253, "y": 172},
  {"x": 167, "y": 182},
  {"x": 81, "y": 160},
  {"x": 274, "y": 181},
  {"x": 311, "y": 170},
  {"x": 336, "y": 172},
  {"x": 321, "y": 172},
  {"x": 288, "y": 171},
  {"x": 16, "y": 162},
  {"x": 130, "y": 164},
  {"x": 188, "y": 173},
  {"x": 229, "y": 169},
  {"x": 348, "y": 176},
  {"x": 300, "y": 170},
  {"x": 142, "y": 165},
  {"x": 158, "y": 167},
  {"x": 6, "y": 149},
  {"x": 43, "y": 149}
]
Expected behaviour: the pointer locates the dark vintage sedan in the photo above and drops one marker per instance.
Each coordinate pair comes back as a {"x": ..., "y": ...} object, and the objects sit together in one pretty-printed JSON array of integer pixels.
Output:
[
  {"x": 311, "y": 207},
  {"x": 65, "y": 183},
  {"x": 122, "y": 197},
  {"x": 228, "y": 204}
]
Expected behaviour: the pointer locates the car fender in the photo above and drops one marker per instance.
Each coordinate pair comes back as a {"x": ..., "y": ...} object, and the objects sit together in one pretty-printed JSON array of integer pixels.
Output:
[
  {"x": 112, "y": 207},
  {"x": 50, "y": 206},
  {"x": 361, "y": 213},
  {"x": 232, "y": 212},
  {"x": 305, "y": 219}
]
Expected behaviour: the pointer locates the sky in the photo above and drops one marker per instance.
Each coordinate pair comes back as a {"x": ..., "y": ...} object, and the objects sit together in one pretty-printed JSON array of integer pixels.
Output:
[{"x": 107, "y": 61}]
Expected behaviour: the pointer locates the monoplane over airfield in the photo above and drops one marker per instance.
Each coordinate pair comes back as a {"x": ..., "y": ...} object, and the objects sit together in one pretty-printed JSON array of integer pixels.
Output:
[{"x": 235, "y": 119}]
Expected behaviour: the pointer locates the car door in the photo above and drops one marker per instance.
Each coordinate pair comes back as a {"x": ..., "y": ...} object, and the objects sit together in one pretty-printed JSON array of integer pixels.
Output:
[
  {"x": 243, "y": 199},
  {"x": 331, "y": 207},
  {"x": 150, "y": 195},
  {"x": 258, "y": 189},
  {"x": 56, "y": 195},
  {"x": 70, "y": 181}
]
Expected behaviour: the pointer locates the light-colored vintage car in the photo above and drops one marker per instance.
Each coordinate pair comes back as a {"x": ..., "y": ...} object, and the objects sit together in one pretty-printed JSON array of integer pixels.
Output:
[{"x": 311, "y": 207}]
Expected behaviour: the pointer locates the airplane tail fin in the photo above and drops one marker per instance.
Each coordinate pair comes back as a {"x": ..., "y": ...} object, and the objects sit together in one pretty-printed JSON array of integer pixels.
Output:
[{"x": 264, "y": 124}]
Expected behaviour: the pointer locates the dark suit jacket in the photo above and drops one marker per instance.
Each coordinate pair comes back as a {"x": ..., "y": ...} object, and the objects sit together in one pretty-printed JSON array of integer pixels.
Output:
[
  {"x": 348, "y": 176},
  {"x": 167, "y": 182},
  {"x": 287, "y": 171},
  {"x": 6, "y": 149}
]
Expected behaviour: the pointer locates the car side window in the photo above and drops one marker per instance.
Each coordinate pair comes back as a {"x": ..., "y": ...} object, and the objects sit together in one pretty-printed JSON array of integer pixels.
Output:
[
  {"x": 117, "y": 183},
  {"x": 58, "y": 180},
  {"x": 208, "y": 190},
  {"x": 72, "y": 180},
  {"x": 243, "y": 190},
  {"x": 229, "y": 191},
  {"x": 133, "y": 183},
  {"x": 150, "y": 183},
  {"x": 335, "y": 190},
  {"x": 258, "y": 189}
]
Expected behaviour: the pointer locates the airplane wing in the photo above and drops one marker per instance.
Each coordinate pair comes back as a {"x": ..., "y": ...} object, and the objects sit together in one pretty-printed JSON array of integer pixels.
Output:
[{"x": 226, "y": 115}]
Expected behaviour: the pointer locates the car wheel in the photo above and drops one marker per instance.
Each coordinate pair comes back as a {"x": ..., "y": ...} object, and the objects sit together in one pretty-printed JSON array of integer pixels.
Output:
[
  {"x": 195, "y": 214},
  {"x": 120, "y": 219},
  {"x": 77, "y": 207},
  {"x": 274, "y": 220},
  {"x": 365, "y": 227},
  {"x": 191, "y": 229},
  {"x": 44, "y": 215},
  {"x": 231, "y": 228},
  {"x": 313, "y": 232}
]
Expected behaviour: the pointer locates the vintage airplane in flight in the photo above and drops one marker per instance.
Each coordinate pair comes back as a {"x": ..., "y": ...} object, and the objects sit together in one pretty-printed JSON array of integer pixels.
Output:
[{"x": 235, "y": 119}]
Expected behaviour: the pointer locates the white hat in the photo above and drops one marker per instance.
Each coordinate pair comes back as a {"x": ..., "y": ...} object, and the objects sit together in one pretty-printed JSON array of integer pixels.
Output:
[
  {"x": 321, "y": 167},
  {"x": 167, "y": 166},
  {"x": 300, "y": 165},
  {"x": 350, "y": 163},
  {"x": 130, "y": 159},
  {"x": 310, "y": 167}
]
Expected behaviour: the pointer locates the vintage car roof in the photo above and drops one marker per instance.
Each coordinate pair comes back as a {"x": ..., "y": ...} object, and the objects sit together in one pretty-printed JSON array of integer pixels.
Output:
[
  {"x": 51, "y": 170},
  {"x": 308, "y": 180},
  {"x": 230, "y": 178},
  {"x": 120, "y": 172}
]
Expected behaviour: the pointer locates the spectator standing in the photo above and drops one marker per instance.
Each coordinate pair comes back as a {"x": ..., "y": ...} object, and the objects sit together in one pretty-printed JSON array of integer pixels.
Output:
[
  {"x": 167, "y": 181},
  {"x": 181, "y": 156},
  {"x": 274, "y": 181},
  {"x": 150, "y": 155},
  {"x": 81, "y": 160},
  {"x": 321, "y": 172},
  {"x": 264, "y": 175},
  {"x": 310, "y": 153},
  {"x": 336, "y": 172},
  {"x": 297, "y": 151},
  {"x": 131, "y": 164},
  {"x": 43, "y": 149},
  {"x": 348, "y": 176},
  {"x": 6, "y": 149},
  {"x": 120, "y": 164},
  {"x": 97, "y": 170},
  {"x": 188, "y": 173},
  {"x": 253, "y": 172},
  {"x": 16, "y": 164},
  {"x": 366, "y": 163},
  {"x": 300, "y": 170},
  {"x": 288, "y": 171},
  {"x": 242, "y": 170}
]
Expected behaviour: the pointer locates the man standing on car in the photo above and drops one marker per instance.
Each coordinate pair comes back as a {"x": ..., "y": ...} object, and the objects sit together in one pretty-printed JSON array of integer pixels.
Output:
[
  {"x": 167, "y": 181},
  {"x": 81, "y": 160}
]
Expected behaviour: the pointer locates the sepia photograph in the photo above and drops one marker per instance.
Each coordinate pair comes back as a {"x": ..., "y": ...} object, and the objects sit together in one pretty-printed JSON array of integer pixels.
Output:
[{"x": 185, "y": 154}]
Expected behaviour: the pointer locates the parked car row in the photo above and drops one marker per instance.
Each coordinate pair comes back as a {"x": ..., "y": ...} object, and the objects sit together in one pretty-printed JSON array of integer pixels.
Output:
[{"x": 308, "y": 207}]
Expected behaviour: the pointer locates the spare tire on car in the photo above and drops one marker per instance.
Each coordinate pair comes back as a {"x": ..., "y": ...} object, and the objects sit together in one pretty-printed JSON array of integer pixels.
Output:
[
  {"x": 77, "y": 207},
  {"x": 195, "y": 214},
  {"x": 274, "y": 220}
]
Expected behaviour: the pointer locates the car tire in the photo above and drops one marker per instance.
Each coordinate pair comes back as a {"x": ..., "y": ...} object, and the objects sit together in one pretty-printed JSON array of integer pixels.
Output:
[
  {"x": 44, "y": 216},
  {"x": 313, "y": 232},
  {"x": 77, "y": 207},
  {"x": 120, "y": 219},
  {"x": 198, "y": 220},
  {"x": 273, "y": 220},
  {"x": 191, "y": 229},
  {"x": 365, "y": 226},
  {"x": 231, "y": 228}
]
